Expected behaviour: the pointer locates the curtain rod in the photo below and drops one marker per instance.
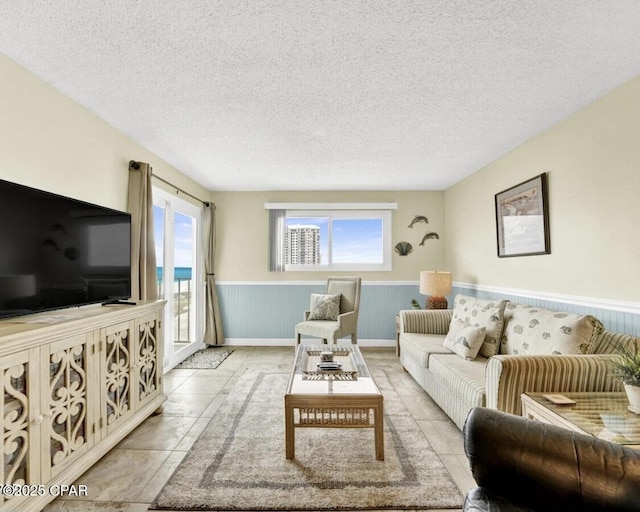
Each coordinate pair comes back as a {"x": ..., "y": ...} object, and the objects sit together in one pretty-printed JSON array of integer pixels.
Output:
[
  {"x": 206, "y": 203},
  {"x": 136, "y": 165}
]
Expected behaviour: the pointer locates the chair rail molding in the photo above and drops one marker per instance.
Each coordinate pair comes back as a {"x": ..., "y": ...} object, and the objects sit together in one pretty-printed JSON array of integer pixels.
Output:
[{"x": 574, "y": 300}]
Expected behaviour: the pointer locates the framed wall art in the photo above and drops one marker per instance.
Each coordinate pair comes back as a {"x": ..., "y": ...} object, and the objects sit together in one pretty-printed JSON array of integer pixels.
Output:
[{"x": 522, "y": 219}]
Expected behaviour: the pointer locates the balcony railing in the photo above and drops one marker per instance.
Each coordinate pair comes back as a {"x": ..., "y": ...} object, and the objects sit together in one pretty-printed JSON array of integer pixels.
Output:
[{"x": 182, "y": 304}]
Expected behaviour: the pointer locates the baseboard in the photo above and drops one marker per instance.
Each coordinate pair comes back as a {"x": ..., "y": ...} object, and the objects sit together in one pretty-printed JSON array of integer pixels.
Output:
[{"x": 289, "y": 342}]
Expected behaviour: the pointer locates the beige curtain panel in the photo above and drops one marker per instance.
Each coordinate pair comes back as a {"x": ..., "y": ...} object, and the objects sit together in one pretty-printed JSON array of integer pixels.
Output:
[
  {"x": 143, "y": 250},
  {"x": 213, "y": 334}
]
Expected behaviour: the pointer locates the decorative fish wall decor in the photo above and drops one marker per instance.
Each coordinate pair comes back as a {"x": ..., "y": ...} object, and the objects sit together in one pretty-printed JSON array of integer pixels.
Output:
[
  {"x": 404, "y": 248},
  {"x": 429, "y": 235},
  {"x": 419, "y": 218}
]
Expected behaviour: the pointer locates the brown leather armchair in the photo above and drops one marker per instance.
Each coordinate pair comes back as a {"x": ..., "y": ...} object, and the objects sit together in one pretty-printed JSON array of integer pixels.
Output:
[{"x": 524, "y": 465}]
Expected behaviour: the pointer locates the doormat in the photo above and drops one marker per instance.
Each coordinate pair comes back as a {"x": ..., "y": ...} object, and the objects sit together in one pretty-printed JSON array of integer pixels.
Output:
[{"x": 207, "y": 358}]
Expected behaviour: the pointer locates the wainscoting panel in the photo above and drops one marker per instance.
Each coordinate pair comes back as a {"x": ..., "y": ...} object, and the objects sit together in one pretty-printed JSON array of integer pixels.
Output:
[
  {"x": 271, "y": 311},
  {"x": 616, "y": 316},
  {"x": 267, "y": 312}
]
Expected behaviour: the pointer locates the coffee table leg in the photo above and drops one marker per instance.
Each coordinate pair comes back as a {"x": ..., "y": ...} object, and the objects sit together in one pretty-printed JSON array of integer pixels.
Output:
[
  {"x": 379, "y": 433},
  {"x": 289, "y": 431}
]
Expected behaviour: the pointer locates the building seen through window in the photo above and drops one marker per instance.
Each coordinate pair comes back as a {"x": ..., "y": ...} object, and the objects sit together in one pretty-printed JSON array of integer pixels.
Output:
[
  {"x": 302, "y": 244},
  {"x": 329, "y": 236}
]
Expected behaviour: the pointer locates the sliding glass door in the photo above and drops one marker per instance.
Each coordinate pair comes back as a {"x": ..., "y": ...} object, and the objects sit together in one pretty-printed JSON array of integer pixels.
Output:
[{"x": 177, "y": 227}]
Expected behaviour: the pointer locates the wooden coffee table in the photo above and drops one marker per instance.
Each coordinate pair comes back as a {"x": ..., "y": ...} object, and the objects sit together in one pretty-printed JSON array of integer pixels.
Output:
[{"x": 348, "y": 398}]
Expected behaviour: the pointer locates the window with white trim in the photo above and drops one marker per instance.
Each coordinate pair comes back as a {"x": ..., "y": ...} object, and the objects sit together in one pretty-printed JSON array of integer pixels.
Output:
[{"x": 330, "y": 236}]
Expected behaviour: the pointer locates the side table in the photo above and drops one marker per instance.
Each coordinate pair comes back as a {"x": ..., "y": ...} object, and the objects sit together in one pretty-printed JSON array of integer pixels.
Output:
[
  {"x": 398, "y": 335},
  {"x": 603, "y": 415}
]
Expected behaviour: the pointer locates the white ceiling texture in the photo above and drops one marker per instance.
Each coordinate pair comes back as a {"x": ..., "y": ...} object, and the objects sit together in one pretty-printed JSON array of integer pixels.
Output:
[{"x": 327, "y": 94}]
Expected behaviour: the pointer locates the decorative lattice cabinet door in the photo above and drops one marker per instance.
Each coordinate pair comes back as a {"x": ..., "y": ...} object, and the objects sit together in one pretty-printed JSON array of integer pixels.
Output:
[
  {"x": 21, "y": 421},
  {"x": 117, "y": 355},
  {"x": 74, "y": 385},
  {"x": 68, "y": 427},
  {"x": 148, "y": 358}
]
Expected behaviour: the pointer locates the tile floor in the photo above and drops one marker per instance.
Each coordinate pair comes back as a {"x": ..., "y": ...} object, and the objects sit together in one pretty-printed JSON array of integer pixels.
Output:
[{"x": 130, "y": 476}]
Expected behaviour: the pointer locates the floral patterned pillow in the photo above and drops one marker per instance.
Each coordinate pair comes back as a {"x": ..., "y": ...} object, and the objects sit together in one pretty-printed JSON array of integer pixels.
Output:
[
  {"x": 324, "y": 307},
  {"x": 488, "y": 313},
  {"x": 464, "y": 339}
]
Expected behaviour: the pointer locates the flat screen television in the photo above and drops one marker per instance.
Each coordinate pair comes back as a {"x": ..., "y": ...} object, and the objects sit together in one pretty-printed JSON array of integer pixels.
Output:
[{"x": 57, "y": 252}]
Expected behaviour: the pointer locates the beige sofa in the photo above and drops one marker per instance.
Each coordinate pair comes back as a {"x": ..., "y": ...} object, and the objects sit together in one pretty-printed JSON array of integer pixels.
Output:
[{"x": 525, "y": 348}]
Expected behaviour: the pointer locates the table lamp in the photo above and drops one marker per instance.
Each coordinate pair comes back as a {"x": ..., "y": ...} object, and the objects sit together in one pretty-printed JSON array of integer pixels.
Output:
[{"x": 436, "y": 285}]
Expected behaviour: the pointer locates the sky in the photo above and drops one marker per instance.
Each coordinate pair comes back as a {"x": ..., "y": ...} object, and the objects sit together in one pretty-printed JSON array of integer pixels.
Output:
[
  {"x": 354, "y": 240},
  {"x": 183, "y": 239}
]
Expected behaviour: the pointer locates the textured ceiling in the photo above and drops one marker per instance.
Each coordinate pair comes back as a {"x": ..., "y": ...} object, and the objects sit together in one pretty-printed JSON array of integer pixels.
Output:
[{"x": 327, "y": 94}]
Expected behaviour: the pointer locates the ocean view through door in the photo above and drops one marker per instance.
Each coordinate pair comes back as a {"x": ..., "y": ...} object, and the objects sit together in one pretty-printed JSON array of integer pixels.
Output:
[{"x": 177, "y": 228}]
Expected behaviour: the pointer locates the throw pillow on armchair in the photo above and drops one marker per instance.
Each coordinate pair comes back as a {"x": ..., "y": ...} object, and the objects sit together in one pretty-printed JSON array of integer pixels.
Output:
[{"x": 324, "y": 307}]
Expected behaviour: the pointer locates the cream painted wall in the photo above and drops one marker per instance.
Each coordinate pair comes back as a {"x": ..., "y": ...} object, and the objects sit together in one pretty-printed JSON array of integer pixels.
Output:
[
  {"x": 243, "y": 224},
  {"x": 593, "y": 164},
  {"x": 50, "y": 142}
]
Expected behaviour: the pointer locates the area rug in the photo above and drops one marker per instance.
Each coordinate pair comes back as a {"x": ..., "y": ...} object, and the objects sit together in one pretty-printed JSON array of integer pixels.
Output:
[
  {"x": 207, "y": 358},
  {"x": 238, "y": 462}
]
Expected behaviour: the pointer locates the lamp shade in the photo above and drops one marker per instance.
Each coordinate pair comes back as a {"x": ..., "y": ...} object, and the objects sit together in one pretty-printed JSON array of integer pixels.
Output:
[{"x": 435, "y": 283}]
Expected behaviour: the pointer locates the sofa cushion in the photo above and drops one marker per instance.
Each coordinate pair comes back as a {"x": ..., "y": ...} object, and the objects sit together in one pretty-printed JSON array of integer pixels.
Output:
[
  {"x": 464, "y": 340},
  {"x": 486, "y": 313},
  {"x": 324, "y": 307},
  {"x": 466, "y": 379},
  {"x": 421, "y": 346},
  {"x": 538, "y": 331}
]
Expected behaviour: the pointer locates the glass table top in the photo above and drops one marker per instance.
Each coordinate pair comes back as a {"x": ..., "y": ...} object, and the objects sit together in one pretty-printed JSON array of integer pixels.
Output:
[
  {"x": 603, "y": 415},
  {"x": 354, "y": 379}
]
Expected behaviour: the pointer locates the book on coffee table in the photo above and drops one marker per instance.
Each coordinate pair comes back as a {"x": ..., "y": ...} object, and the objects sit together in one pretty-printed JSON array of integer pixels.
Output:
[{"x": 342, "y": 367}]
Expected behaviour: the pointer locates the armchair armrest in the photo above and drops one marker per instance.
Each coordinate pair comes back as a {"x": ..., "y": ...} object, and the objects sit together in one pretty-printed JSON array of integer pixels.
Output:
[
  {"x": 306, "y": 315},
  {"x": 508, "y": 376},
  {"x": 535, "y": 466},
  {"x": 425, "y": 321},
  {"x": 348, "y": 320}
]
